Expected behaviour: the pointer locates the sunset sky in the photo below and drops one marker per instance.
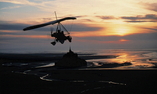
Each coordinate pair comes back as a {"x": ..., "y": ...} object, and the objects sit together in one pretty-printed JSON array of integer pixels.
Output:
[{"x": 100, "y": 24}]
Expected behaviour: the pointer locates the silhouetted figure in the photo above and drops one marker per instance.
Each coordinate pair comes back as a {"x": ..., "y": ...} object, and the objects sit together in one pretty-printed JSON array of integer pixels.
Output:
[{"x": 60, "y": 36}]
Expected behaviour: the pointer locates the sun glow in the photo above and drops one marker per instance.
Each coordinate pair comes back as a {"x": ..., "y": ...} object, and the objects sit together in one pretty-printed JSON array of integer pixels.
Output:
[
  {"x": 117, "y": 30},
  {"x": 123, "y": 40},
  {"x": 122, "y": 31}
]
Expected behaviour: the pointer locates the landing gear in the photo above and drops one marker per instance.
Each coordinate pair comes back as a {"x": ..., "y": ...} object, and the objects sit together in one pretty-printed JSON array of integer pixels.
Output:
[
  {"x": 69, "y": 38},
  {"x": 53, "y": 43}
]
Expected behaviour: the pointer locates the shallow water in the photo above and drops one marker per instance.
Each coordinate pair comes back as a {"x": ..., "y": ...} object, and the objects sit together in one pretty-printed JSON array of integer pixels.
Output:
[
  {"x": 97, "y": 60},
  {"x": 121, "y": 59},
  {"x": 124, "y": 58},
  {"x": 144, "y": 58}
]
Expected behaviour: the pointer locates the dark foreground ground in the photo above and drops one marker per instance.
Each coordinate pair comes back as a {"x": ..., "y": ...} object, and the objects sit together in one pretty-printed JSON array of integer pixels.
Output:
[
  {"x": 137, "y": 82},
  {"x": 78, "y": 81}
]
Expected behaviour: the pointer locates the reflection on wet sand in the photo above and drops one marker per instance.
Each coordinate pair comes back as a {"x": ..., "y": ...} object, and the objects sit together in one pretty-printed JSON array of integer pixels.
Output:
[
  {"x": 48, "y": 77},
  {"x": 136, "y": 58},
  {"x": 109, "y": 73}
]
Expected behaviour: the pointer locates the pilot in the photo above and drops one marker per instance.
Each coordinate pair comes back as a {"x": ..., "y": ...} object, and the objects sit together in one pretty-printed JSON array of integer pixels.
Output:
[{"x": 59, "y": 36}]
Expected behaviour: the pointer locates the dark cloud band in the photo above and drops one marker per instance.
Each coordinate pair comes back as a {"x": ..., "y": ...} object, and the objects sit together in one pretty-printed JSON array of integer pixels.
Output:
[{"x": 75, "y": 27}]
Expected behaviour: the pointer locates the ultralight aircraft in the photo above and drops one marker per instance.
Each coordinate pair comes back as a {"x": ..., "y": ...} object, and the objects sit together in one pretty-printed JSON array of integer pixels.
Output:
[{"x": 59, "y": 35}]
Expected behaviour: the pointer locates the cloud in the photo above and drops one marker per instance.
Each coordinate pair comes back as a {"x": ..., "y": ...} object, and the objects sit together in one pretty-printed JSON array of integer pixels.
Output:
[
  {"x": 8, "y": 33},
  {"x": 139, "y": 21},
  {"x": 133, "y": 19},
  {"x": 132, "y": 37},
  {"x": 4, "y": 25},
  {"x": 17, "y": 1},
  {"x": 11, "y": 26},
  {"x": 106, "y": 17},
  {"x": 150, "y": 6},
  {"x": 88, "y": 20},
  {"x": 142, "y": 37},
  {"x": 143, "y": 40},
  {"x": 139, "y": 18},
  {"x": 148, "y": 16},
  {"x": 83, "y": 27},
  {"x": 80, "y": 16},
  {"x": 154, "y": 29},
  {"x": 41, "y": 4},
  {"x": 25, "y": 2},
  {"x": 10, "y": 7}
]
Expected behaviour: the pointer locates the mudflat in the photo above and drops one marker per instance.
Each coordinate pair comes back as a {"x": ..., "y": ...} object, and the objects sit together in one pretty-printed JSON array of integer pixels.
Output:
[
  {"x": 134, "y": 82},
  {"x": 69, "y": 81}
]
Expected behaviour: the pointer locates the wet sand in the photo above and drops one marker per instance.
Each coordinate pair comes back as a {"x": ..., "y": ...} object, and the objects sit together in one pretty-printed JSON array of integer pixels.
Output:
[{"x": 138, "y": 81}]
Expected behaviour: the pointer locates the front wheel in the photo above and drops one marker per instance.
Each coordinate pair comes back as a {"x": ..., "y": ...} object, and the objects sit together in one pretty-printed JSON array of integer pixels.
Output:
[
  {"x": 53, "y": 43},
  {"x": 69, "y": 38}
]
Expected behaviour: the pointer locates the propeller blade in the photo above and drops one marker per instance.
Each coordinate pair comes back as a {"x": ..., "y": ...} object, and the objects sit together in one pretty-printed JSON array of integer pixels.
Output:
[
  {"x": 48, "y": 23},
  {"x": 51, "y": 29}
]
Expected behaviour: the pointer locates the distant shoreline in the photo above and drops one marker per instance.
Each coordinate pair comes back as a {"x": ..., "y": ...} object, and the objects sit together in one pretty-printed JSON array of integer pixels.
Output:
[{"x": 46, "y": 56}]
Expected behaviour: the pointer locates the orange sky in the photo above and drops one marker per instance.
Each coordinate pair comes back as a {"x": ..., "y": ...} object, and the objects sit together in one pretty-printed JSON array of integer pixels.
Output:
[{"x": 126, "y": 22}]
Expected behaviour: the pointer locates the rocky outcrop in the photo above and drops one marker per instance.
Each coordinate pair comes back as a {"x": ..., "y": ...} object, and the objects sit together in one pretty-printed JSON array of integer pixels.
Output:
[{"x": 71, "y": 60}]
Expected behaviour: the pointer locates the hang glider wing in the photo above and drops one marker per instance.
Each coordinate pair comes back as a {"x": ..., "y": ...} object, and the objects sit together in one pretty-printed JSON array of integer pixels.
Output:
[{"x": 48, "y": 23}]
